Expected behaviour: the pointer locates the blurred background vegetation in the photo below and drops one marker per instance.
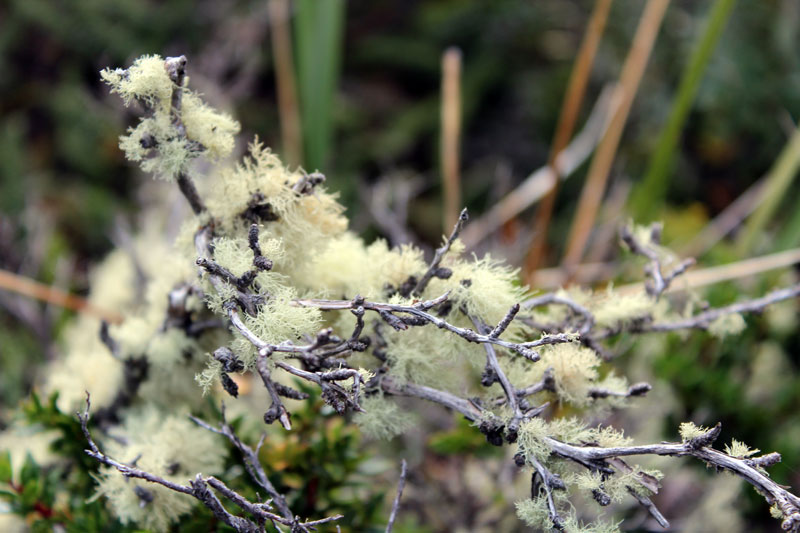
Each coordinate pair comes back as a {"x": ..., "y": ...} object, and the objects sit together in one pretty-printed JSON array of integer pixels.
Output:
[{"x": 714, "y": 113}]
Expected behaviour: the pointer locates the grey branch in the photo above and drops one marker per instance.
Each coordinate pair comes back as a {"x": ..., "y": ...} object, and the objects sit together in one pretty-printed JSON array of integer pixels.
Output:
[
  {"x": 550, "y": 482},
  {"x": 198, "y": 488},
  {"x": 251, "y": 461},
  {"x": 703, "y": 320},
  {"x": 553, "y": 298},
  {"x": 440, "y": 253},
  {"x": 401, "y": 483},
  {"x": 660, "y": 281},
  {"x": 419, "y": 310},
  {"x": 594, "y": 457},
  {"x": 176, "y": 69}
]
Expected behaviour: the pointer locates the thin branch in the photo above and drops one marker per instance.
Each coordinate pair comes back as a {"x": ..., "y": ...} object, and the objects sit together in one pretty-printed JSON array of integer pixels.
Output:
[
  {"x": 176, "y": 69},
  {"x": 637, "y": 389},
  {"x": 660, "y": 281},
  {"x": 276, "y": 411},
  {"x": 251, "y": 461},
  {"x": 401, "y": 483},
  {"x": 553, "y": 298},
  {"x": 418, "y": 310},
  {"x": 494, "y": 365},
  {"x": 549, "y": 481},
  {"x": 703, "y": 320},
  {"x": 440, "y": 253}
]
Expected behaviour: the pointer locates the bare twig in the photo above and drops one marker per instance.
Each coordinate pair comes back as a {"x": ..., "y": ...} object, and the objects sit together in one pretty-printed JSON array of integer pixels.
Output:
[
  {"x": 660, "y": 281},
  {"x": 176, "y": 68},
  {"x": 553, "y": 298},
  {"x": 703, "y": 320},
  {"x": 550, "y": 482},
  {"x": 637, "y": 389},
  {"x": 401, "y": 483},
  {"x": 276, "y": 411},
  {"x": 251, "y": 461},
  {"x": 440, "y": 253},
  {"x": 418, "y": 310}
]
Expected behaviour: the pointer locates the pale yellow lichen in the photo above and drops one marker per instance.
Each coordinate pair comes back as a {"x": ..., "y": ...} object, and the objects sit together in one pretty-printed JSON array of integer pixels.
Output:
[
  {"x": 146, "y": 80},
  {"x": 689, "y": 431},
  {"x": 730, "y": 324},
  {"x": 168, "y": 445},
  {"x": 740, "y": 449},
  {"x": 531, "y": 439},
  {"x": 574, "y": 369},
  {"x": 204, "y": 124},
  {"x": 383, "y": 418}
]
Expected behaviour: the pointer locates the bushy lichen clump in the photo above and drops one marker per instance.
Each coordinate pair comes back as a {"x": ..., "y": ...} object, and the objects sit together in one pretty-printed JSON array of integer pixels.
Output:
[
  {"x": 167, "y": 140},
  {"x": 143, "y": 377},
  {"x": 304, "y": 233}
]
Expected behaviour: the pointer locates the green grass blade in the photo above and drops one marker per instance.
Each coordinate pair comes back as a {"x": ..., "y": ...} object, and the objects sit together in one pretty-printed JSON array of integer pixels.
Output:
[
  {"x": 779, "y": 179},
  {"x": 318, "y": 35},
  {"x": 650, "y": 192}
]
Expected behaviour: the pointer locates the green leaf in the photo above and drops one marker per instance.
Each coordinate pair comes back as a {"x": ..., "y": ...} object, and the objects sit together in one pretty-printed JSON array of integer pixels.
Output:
[
  {"x": 5, "y": 467},
  {"x": 30, "y": 470},
  {"x": 30, "y": 492}
]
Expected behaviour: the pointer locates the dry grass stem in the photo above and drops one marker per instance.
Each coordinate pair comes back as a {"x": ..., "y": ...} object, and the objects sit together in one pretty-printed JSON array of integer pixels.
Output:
[
  {"x": 631, "y": 75},
  {"x": 286, "y": 84},
  {"x": 33, "y": 289},
  {"x": 451, "y": 132},
  {"x": 576, "y": 89}
]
